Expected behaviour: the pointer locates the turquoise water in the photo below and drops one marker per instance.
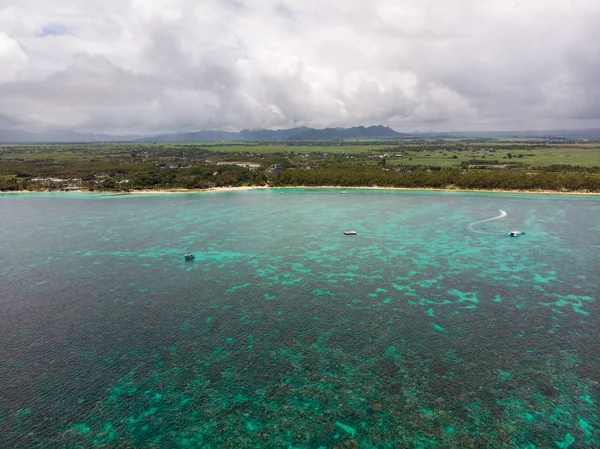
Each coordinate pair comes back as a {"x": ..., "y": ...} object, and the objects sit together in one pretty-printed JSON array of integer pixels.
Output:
[{"x": 283, "y": 332}]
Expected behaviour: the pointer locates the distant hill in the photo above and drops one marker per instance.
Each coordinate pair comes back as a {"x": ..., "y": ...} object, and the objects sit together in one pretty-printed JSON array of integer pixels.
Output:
[
  {"x": 593, "y": 133},
  {"x": 301, "y": 133},
  {"x": 212, "y": 136},
  {"x": 267, "y": 134},
  {"x": 356, "y": 132},
  {"x": 198, "y": 136},
  {"x": 17, "y": 136}
]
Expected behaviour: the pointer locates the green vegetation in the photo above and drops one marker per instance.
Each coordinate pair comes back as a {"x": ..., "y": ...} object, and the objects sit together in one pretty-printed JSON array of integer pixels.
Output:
[{"x": 465, "y": 164}]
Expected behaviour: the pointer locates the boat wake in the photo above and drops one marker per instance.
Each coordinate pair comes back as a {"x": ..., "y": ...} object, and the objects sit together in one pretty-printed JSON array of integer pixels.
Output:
[{"x": 502, "y": 215}]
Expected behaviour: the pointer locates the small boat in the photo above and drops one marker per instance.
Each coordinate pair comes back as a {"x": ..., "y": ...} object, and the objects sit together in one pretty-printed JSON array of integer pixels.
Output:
[
  {"x": 349, "y": 232},
  {"x": 189, "y": 257},
  {"x": 515, "y": 233},
  {"x": 344, "y": 192}
]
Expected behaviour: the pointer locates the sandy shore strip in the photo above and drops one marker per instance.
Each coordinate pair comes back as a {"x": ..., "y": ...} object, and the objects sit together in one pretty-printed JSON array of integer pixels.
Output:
[
  {"x": 429, "y": 189},
  {"x": 244, "y": 188}
]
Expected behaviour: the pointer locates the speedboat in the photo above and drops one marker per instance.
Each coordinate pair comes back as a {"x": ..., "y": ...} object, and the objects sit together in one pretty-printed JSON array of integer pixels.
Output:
[
  {"x": 349, "y": 232},
  {"x": 189, "y": 257},
  {"x": 515, "y": 233}
]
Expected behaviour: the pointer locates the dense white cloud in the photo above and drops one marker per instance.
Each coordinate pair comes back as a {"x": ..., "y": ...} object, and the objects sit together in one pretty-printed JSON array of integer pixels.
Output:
[
  {"x": 13, "y": 59},
  {"x": 156, "y": 66}
]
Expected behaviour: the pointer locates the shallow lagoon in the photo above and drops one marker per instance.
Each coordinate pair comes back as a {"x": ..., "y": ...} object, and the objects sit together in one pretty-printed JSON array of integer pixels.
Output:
[{"x": 283, "y": 332}]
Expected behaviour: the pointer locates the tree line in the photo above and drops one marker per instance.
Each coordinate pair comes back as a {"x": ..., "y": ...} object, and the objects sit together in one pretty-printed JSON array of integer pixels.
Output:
[{"x": 442, "y": 178}]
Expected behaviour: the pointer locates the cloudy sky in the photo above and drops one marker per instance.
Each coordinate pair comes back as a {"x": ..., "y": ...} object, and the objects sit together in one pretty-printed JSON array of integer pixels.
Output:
[{"x": 149, "y": 66}]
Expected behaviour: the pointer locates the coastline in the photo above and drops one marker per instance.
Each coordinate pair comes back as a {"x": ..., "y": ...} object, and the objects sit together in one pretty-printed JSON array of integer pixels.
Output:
[{"x": 244, "y": 188}]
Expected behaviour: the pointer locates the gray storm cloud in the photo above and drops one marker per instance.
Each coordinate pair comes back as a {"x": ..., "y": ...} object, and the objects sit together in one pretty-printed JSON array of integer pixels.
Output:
[{"x": 152, "y": 66}]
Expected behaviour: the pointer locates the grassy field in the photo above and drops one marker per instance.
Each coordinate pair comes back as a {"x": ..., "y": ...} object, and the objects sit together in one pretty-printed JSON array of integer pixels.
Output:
[
  {"x": 569, "y": 154},
  {"x": 539, "y": 157},
  {"x": 448, "y": 153},
  {"x": 71, "y": 151}
]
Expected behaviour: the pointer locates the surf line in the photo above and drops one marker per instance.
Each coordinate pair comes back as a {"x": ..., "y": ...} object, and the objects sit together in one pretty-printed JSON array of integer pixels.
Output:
[{"x": 502, "y": 215}]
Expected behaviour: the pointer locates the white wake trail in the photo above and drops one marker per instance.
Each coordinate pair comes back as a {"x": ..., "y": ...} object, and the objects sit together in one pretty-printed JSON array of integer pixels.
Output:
[{"x": 502, "y": 215}]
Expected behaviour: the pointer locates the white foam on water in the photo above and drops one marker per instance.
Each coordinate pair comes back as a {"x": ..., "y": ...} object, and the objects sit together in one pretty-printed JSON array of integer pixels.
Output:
[{"x": 502, "y": 215}]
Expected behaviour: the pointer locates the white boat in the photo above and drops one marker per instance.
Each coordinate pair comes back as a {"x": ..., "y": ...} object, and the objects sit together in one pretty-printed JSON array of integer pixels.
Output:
[
  {"x": 349, "y": 232},
  {"x": 515, "y": 233},
  {"x": 344, "y": 192}
]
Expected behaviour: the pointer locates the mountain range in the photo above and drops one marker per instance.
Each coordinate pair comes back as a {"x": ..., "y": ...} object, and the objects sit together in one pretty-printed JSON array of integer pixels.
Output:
[
  {"x": 297, "y": 134},
  {"x": 301, "y": 133}
]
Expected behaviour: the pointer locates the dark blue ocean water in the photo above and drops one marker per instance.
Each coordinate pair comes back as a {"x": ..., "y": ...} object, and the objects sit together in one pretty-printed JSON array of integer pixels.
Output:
[{"x": 284, "y": 333}]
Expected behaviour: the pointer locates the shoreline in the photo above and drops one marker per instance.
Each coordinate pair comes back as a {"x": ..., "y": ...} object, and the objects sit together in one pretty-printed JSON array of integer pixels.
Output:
[{"x": 245, "y": 188}]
